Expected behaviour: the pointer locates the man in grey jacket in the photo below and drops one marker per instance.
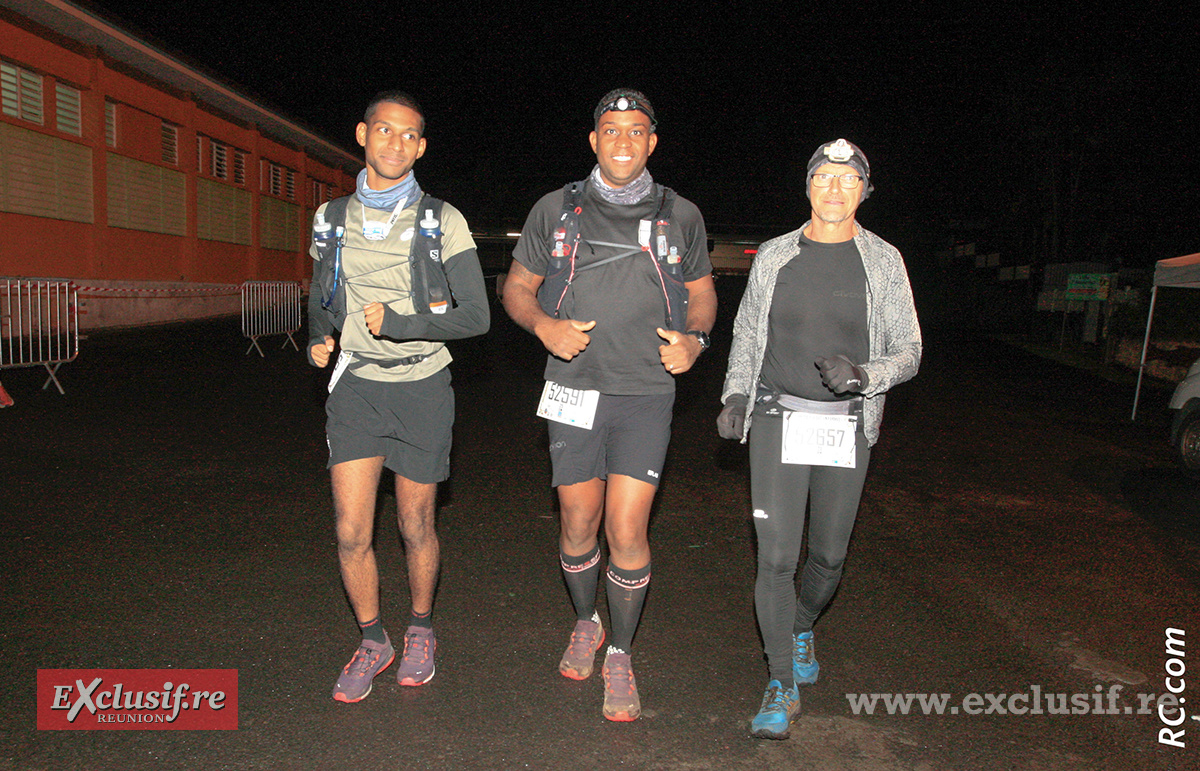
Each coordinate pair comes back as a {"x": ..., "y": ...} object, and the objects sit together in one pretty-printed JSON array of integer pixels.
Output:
[{"x": 827, "y": 325}]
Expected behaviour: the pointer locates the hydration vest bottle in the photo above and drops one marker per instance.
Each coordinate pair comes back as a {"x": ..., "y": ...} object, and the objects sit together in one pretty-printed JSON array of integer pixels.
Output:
[{"x": 438, "y": 302}]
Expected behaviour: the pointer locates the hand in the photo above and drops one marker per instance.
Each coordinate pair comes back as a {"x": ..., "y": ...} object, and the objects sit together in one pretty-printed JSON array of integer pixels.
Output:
[
  {"x": 731, "y": 422},
  {"x": 565, "y": 338},
  {"x": 841, "y": 375},
  {"x": 373, "y": 313},
  {"x": 680, "y": 352},
  {"x": 321, "y": 352}
]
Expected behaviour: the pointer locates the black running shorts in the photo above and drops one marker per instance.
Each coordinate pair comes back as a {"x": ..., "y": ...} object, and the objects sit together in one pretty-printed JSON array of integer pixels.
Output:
[
  {"x": 409, "y": 424},
  {"x": 629, "y": 436}
]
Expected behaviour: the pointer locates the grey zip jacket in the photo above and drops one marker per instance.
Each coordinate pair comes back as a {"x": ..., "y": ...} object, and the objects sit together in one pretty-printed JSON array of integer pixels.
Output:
[{"x": 892, "y": 328}]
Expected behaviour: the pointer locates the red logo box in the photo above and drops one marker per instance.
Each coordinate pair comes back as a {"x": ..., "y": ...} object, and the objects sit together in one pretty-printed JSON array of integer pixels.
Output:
[{"x": 137, "y": 700}]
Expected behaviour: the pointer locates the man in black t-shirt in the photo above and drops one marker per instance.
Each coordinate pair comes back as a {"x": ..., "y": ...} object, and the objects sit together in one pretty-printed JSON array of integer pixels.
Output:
[{"x": 616, "y": 342}]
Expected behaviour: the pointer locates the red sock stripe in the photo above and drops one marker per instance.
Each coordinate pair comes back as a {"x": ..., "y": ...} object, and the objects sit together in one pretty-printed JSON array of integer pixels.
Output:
[
  {"x": 591, "y": 563},
  {"x": 629, "y": 583}
]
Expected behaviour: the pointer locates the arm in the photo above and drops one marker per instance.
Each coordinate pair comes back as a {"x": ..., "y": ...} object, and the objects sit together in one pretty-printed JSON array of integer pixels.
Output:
[
  {"x": 744, "y": 344},
  {"x": 902, "y": 343},
  {"x": 564, "y": 338},
  {"x": 682, "y": 350},
  {"x": 731, "y": 423},
  {"x": 321, "y": 324},
  {"x": 320, "y": 327},
  {"x": 470, "y": 316}
]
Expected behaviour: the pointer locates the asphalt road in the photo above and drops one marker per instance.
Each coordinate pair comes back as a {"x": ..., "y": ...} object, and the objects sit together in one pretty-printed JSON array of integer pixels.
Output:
[{"x": 1017, "y": 536}]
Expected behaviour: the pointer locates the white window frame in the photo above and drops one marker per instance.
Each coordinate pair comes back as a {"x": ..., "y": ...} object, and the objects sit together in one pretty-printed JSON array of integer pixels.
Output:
[
  {"x": 68, "y": 109},
  {"x": 219, "y": 167},
  {"x": 239, "y": 167},
  {"x": 110, "y": 123},
  {"x": 21, "y": 93},
  {"x": 170, "y": 144}
]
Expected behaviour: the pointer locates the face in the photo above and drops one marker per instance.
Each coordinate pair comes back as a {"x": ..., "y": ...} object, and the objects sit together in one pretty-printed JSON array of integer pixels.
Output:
[
  {"x": 392, "y": 142},
  {"x": 622, "y": 142},
  {"x": 833, "y": 204}
]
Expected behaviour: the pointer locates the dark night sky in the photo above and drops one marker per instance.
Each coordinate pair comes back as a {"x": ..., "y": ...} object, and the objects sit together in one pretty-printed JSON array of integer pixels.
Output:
[{"x": 1082, "y": 118}]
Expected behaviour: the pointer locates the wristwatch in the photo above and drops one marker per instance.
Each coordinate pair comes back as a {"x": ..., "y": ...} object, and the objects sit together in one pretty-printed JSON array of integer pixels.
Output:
[{"x": 702, "y": 337}]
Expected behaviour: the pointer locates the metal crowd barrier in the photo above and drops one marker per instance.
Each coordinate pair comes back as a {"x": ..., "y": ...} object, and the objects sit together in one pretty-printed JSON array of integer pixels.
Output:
[
  {"x": 270, "y": 308},
  {"x": 39, "y": 325}
]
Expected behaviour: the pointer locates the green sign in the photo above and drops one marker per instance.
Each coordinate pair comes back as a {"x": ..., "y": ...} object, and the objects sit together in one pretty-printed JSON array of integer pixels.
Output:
[{"x": 1088, "y": 286}]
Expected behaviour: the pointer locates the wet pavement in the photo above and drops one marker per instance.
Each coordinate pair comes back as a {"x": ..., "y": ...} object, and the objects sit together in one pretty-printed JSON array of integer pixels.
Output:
[{"x": 172, "y": 510}]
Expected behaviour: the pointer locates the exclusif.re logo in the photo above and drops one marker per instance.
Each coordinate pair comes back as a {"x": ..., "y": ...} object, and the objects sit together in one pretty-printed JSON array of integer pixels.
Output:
[{"x": 137, "y": 699}]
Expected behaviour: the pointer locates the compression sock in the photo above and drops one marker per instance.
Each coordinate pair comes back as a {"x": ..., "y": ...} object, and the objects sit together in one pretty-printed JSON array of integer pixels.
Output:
[
  {"x": 424, "y": 620},
  {"x": 626, "y": 595},
  {"x": 581, "y": 575},
  {"x": 373, "y": 630}
]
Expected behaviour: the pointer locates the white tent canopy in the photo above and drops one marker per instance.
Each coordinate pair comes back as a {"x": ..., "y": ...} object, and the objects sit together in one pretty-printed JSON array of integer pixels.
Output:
[{"x": 1177, "y": 271}]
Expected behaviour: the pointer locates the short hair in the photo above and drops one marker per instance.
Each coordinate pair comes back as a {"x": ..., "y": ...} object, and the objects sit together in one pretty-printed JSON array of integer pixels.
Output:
[{"x": 401, "y": 98}]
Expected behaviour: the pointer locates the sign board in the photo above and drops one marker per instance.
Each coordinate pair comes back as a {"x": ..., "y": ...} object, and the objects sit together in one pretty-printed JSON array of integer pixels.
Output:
[{"x": 1088, "y": 286}]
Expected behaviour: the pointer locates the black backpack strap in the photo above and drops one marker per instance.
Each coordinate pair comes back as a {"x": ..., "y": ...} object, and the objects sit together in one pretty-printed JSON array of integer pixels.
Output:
[
  {"x": 573, "y": 194},
  {"x": 325, "y": 272},
  {"x": 568, "y": 220},
  {"x": 662, "y": 222},
  {"x": 560, "y": 270},
  {"x": 430, "y": 289},
  {"x": 335, "y": 211},
  {"x": 429, "y": 247},
  {"x": 670, "y": 263},
  {"x": 666, "y": 202}
]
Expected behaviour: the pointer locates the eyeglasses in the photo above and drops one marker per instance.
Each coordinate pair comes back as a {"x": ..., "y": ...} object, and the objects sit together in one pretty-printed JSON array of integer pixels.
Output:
[{"x": 846, "y": 181}]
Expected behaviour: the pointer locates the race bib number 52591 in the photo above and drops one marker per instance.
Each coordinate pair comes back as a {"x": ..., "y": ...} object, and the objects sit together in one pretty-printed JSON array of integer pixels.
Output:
[{"x": 568, "y": 405}]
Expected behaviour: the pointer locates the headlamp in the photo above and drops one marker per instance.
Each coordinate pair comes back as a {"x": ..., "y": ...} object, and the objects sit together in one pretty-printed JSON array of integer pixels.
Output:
[
  {"x": 619, "y": 101},
  {"x": 840, "y": 151}
]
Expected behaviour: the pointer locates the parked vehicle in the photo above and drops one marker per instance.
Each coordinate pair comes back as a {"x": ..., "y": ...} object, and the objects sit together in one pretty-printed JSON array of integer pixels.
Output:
[{"x": 1185, "y": 428}]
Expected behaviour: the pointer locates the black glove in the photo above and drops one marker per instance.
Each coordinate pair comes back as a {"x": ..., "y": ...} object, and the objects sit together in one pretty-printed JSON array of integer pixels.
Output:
[
  {"x": 841, "y": 375},
  {"x": 732, "y": 420}
]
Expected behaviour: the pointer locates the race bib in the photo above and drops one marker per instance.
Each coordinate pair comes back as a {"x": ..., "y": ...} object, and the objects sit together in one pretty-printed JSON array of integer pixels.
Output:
[
  {"x": 819, "y": 440},
  {"x": 568, "y": 405},
  {"x": 343, "y": 361}
]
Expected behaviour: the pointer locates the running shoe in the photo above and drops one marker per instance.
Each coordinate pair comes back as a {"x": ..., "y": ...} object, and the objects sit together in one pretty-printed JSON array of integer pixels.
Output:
[
  {"x": 621, "y": 703},
  {"x": 369, "y": 660},
  {"x": 416, "y": 666},
  {"x": 580, "y": 657},
  {"x": 780, "y": 706},
  {"x": 804, "y": 658}
]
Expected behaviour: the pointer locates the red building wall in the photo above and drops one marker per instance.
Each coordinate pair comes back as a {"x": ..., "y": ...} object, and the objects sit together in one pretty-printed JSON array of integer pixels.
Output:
[{"x": 48, "y": 246}]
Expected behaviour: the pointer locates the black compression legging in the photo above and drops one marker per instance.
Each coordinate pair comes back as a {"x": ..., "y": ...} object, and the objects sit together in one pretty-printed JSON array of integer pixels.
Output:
[{"x": 779, "y": 492}]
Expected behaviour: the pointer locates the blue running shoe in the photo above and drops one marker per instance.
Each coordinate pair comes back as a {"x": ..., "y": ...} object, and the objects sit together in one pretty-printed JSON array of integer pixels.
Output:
[
  {"x": 804, "y": 658},
  {"x": 780, "y": 707}
]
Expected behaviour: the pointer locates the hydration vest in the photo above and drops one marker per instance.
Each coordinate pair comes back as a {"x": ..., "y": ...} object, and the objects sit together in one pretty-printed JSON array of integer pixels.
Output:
[
  {"x": 430, "y": 289},
  {"x": 667, "y": 259}
]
